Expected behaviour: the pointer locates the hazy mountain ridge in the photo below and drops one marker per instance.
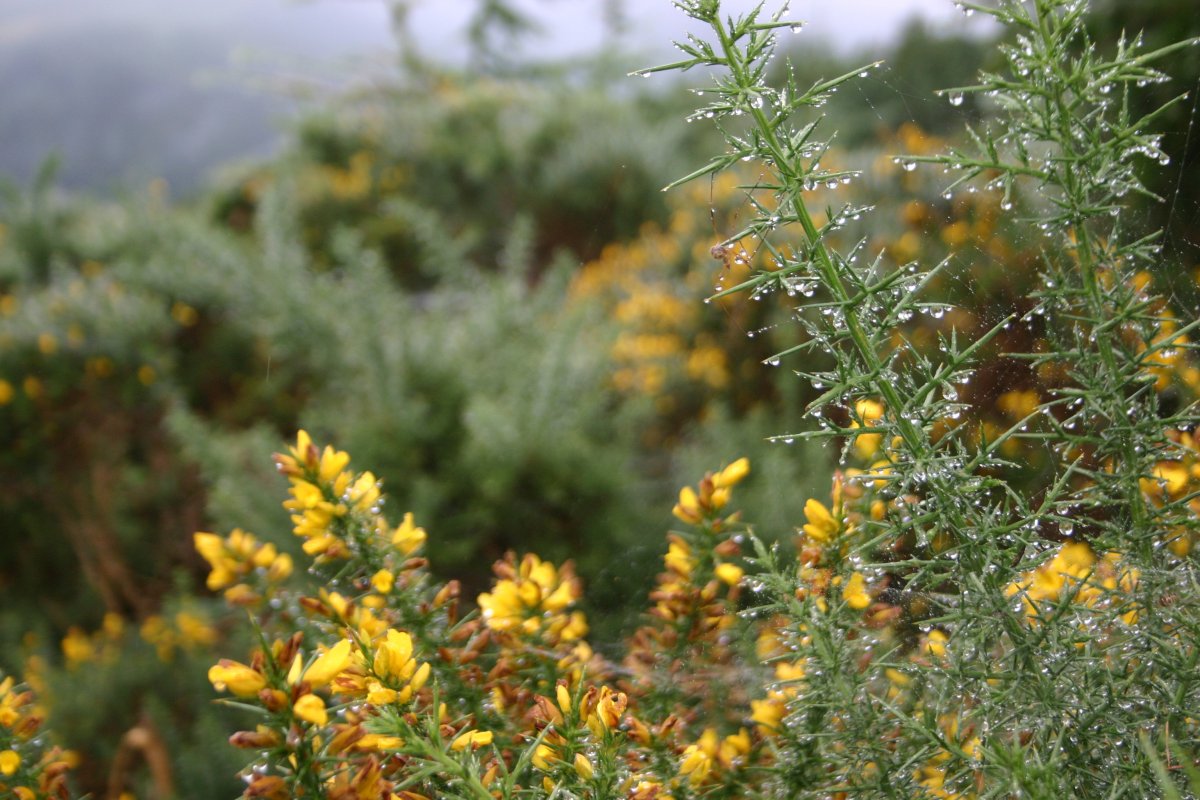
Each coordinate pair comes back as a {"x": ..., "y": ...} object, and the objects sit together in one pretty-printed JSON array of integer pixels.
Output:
[{"x": 132, "y": 90}]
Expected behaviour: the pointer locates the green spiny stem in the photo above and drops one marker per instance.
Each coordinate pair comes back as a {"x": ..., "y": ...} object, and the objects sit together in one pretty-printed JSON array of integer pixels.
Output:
[
  {"x": 1088, "y": 260},
  {"x": 829, "y": 272}
]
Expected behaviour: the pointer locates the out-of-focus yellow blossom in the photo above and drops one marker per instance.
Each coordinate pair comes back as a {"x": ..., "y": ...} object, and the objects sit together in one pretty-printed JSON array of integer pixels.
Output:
[
  {"x": 696, "y": 763},
  {"x": 935, "y": 643},
  {"x": 768, "y": 713},
  {"x": 408, "y": 538},
  {"x": 854, "y": 592},
  {"x": 184, "y": 314},
  {"x": 77, "y": 647},
  {"x": 729, "y": 574},
  {"x": 1018, "y": 403},
  {"x": 649, "y": 790},
  {"x": 583, "y": 767},
  {"x": 383, "y": 581},
  {"x": 471, "y": 739},
  {"x": 1170, "y": 360},
  {"x": 956, "y": 233},
  {"x": 533, "y": 597},
  {"x": 236, "y": 677},
  {"x": 711, "y": 495},
  {"x": 185, "y": 630},
  {"x": 679, "y": 558},
  {"x": 238, "y": 556},
  {"x": 821, "y": 526},
  {"x": 1075, "y": 568},
  {"x": 933, "y": 779},
  {"x": 328, "y": 665},
  {"x": 311, "y": 708},
  {"x": 867, "y": 413},
  {"x": 710, "y": 755}
]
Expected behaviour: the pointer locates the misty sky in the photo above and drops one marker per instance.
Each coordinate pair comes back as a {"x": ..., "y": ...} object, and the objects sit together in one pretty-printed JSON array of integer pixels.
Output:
[
  {"x": 354, "y": 26},
  {"x": 127, "y": 89},
  {"x": 572, "y": 24}
]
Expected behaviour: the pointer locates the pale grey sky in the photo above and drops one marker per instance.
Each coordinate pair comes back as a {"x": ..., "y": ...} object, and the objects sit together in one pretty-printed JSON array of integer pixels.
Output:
[
  {"x": 848, "y": 23},
  {"x": 572, "y": 25},
  {"x": 225, "y": 67},
  {"x": 341, "y": 26}
]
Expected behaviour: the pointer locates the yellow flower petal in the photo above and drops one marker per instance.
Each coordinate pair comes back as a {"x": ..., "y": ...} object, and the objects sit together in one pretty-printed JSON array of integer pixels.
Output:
[
  {"x": 9, "y": 761},
  {"x": 311, "y": 708},
  {"x": 327, "y": 667}
]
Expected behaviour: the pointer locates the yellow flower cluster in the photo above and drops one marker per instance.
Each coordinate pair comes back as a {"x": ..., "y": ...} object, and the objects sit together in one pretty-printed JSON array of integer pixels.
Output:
[
  {"x": 184, "y": 630},
  {"x": 1171, "y": 482},
  {"x": 532, "y": 599},
  {"x": 355, "y": 714},
  {"x": 667, "y": 349},
  {"x": 103, "y": 645},
  {"x": 702, "y": 504},
  {"x": 1074, "y": 572},
  {"x": 710, "y": 756},
  {"x": 398, "y": 691},
  {"x": 567, "y": 721},
  {"x": 334, "y": 510},
  {"x": 236, "y": 558},
  {"x": 28, "y": 769},
  {"x": 385, "y": 672}
]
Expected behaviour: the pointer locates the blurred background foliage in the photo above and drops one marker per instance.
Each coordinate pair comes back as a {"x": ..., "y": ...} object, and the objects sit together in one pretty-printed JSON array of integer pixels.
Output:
[{"x": 471, "y": 282}]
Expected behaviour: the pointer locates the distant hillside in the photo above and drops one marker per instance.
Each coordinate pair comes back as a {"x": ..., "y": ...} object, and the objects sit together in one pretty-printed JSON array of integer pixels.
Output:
[
  {"x": 121, "y": 106},
  {"x": 129, "y": 90}
]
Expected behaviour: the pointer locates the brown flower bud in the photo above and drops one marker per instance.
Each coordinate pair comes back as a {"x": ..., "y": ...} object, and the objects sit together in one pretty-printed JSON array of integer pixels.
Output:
[{"x": 255, "y": 740}]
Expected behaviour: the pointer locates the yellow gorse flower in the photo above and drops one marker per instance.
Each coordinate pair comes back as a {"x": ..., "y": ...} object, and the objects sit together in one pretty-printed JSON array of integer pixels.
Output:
[
  {"x": 235, "y": 557},
  {"x": 821, "y": 526},
  {"x": 711, "y": 495},
  {"x": 311, "y": 708},
  {"x": 825, "y": 525},
  {"x": 408, "y": 538},
  {"x": 237, "y": 678},
  {"x": 471, "y": 739},
  {"x": 330, "y": 506},
  {"x": 1074, "y": 568},
  {"x": 854, "y": 592},
  {"x": 533, "y": 597},
  {"x": 386, "y": 674},
  {"x": 328, "y": 665},
  {"x": 866, "y": 445}
]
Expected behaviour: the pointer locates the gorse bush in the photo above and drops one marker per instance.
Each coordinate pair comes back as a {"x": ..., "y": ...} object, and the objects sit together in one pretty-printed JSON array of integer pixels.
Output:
[
  {"x": 996, "y": 598},
  {"x": 399, "y": 163},
  {"x": 1018, "y": 636}
]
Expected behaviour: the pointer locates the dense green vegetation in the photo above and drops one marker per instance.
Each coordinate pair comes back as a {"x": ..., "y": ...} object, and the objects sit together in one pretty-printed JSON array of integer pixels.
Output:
[{"x": 470, "y": 281}]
